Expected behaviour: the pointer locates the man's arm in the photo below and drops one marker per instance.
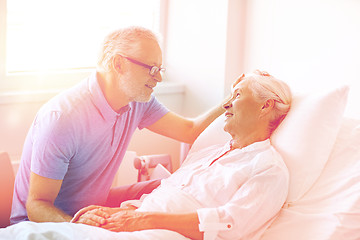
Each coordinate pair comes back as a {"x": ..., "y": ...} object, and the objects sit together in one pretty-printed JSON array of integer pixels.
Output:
[
  {"x": 185, "y": 129},
  {"x": 40, "y": 203}
]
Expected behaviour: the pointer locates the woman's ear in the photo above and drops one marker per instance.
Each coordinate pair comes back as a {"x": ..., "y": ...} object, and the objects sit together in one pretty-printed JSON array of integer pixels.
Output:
[{"x": 267, "y": 107}]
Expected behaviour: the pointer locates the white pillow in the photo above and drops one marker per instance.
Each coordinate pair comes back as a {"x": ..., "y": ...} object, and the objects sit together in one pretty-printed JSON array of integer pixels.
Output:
[
  {"x": 307, "y": 135},
  {"x": 212, "y": 135},
  {"x": 304, "y": 139}
]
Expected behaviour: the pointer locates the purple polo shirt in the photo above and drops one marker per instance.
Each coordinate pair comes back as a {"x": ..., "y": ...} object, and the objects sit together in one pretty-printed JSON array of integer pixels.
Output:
[{"x": 78, "y": 138}]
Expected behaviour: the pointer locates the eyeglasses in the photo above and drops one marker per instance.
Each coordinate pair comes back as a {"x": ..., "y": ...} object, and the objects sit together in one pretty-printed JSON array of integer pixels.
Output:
[{"x": 153, "y": 69}]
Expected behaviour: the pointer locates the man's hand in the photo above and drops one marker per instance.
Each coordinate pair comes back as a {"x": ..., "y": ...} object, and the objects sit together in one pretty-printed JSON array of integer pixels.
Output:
[
  {"x": 237, "y": 81},
  {"x": 91, "y": 215},
  {"x": 96, "y": 215}
]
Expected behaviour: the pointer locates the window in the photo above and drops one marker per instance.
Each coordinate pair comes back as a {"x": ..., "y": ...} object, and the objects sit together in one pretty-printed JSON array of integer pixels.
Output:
[{"x": 48, "y": 43}]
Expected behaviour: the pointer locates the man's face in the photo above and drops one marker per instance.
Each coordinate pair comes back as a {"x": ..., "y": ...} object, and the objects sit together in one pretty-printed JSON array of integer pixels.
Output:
[
  {"x": 242, "y": 110},
  {"x": 137, "y": 83}
]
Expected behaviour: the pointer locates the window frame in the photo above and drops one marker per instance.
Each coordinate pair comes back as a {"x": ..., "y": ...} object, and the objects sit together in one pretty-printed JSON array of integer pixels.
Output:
[
  {"x": 2, "y": 41},
  {"x": 49, "y": 80}
]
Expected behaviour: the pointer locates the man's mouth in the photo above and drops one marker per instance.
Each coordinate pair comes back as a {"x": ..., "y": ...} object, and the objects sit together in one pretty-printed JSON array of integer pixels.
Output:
[{"x": 150, "y": 86}]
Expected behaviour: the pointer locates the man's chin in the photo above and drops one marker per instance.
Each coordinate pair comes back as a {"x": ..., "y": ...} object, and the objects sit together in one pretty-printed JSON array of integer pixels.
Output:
[{"x": 143, "y": 99}]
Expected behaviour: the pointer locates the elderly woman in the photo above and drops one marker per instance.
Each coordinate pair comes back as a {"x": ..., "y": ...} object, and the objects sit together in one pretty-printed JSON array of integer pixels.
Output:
[
  {"x": 222, "y": 192},
  {"x": 231, "y": 191}
]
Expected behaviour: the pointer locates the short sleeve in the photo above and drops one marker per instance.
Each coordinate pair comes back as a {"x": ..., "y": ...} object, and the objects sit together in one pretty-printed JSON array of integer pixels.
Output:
[
  {"x": 51, "y": 151},
  {"x": 153, "y": 112}
]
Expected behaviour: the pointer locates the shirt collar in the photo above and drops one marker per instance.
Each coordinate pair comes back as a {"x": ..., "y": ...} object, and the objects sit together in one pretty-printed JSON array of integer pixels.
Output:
[
  {"x": 256, "y": 146},
  {"x": 100, "y": 101}
]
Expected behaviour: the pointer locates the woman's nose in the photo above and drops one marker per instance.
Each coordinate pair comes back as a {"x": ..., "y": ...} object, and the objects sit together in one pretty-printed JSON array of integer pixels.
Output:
[{"x": 227, "y": 104}]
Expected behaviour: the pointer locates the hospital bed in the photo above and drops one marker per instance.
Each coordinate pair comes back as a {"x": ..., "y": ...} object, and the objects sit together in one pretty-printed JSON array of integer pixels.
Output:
[{"x": 321, "y": 149}]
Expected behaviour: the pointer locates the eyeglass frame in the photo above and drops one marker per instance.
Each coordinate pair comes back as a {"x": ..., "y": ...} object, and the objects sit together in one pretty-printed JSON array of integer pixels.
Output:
[{"x": 153, "y": 69}]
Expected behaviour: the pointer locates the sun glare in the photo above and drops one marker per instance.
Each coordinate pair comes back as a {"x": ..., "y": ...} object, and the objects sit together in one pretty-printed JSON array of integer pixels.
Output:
[{"x": 45, "y": 35}]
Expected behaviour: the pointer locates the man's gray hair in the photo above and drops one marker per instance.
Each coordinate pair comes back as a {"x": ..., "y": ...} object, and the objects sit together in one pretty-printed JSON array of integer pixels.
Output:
[
  {"x": 122, "y": 41},
  {"x": 265, "y": 87}
]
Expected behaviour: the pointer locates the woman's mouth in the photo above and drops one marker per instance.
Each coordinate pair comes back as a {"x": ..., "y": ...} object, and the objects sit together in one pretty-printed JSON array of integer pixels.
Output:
[{"x": 227, "y": 114}]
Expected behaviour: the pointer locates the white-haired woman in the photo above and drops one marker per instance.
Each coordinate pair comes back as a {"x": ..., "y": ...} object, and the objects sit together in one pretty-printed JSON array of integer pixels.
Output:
[{"x": 222, "y": 192}]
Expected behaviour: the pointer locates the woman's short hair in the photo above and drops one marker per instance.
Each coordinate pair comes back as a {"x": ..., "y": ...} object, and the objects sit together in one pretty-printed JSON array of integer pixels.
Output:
[
  {"x": 122, "y": 41},
  {"x": 265, "y": 87}
]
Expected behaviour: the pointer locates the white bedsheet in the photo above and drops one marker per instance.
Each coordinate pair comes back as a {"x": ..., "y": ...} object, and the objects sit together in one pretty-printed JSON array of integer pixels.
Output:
[
  {"x": 331, "y": 208},
  {"x": 158, "y": 201},
  {"x": 329, "y": 211},
  {"x": 72, "y": 231}
]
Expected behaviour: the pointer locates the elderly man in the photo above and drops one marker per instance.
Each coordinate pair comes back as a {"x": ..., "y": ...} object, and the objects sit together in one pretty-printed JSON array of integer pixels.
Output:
[
  {"x": 78, "y": 139},
  {"x": 221, "y": 192}
]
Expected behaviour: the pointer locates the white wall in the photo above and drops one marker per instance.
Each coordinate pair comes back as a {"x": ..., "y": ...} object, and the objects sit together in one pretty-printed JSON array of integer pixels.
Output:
[
  {"x": 311, "y": 44},
  {"x": 204, "y": 49}
]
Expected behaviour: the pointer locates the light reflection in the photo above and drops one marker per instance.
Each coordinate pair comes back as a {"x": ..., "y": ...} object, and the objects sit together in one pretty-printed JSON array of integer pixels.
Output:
[{"x": 47, "y": 35}]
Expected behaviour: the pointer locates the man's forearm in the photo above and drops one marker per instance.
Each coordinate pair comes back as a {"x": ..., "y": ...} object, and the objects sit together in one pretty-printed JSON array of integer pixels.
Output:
[
  {"x": 201, "y": 122},
  {"x": 43, "y": 211}
]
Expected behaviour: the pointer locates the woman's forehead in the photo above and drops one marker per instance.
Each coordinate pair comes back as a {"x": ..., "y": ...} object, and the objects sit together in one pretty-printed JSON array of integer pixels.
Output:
[{"x": 242, "y": 85}]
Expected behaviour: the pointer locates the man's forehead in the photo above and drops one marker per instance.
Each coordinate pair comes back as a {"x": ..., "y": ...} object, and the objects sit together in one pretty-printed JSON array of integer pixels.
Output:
[
  {"x": 149, "y": 44},
  {"x": 150, "y": 51}
]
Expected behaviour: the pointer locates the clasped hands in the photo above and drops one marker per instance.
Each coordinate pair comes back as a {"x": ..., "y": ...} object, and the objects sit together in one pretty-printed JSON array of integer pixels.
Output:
[{"x": 113, "y": 219}]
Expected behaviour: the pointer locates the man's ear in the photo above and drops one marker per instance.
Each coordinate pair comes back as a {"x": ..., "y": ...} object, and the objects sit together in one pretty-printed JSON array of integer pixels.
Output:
[
  {"x": 267, "y": 107},
  {"x": 118, "y": 63}
]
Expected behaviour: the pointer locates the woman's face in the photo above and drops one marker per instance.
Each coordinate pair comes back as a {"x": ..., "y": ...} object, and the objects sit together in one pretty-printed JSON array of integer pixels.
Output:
[{"x": 242, "y": 110}]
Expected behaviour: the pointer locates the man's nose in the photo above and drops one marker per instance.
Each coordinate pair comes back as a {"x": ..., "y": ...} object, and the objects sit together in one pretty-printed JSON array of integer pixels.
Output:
[{"x": 158, "y": 77}]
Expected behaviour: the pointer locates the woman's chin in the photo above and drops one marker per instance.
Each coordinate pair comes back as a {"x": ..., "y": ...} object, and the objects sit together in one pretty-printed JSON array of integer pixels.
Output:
[{"x": 226, "y": 128}]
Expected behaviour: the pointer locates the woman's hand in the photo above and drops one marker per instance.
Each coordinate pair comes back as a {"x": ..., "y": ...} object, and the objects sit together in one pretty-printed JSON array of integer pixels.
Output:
[{"x": 127, "y": 221}]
